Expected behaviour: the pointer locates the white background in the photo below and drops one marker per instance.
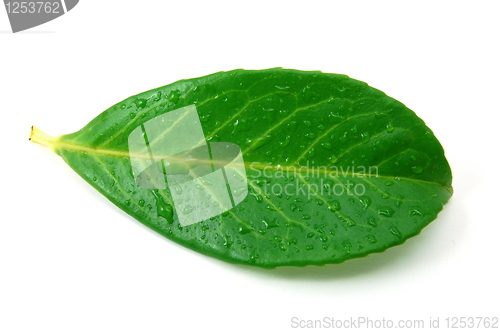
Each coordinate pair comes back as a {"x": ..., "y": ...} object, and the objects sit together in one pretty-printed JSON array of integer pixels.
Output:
[{"x": 71, "y": 261}]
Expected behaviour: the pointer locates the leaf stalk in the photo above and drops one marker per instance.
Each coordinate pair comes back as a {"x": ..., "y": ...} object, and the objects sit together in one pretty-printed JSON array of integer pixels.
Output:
[{"x": 40, "y": 137}]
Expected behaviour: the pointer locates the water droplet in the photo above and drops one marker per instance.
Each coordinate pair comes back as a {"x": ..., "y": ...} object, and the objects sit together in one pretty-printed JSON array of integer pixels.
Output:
[
  {"x": 258, "y": 198},
  {"x": 293, "y": 207},
  {"x": 365, "y": 137},
  {"x": 270, "y": 223},
  {"x": 310, "y": 135},
  {"x": 187, "y": 209},
  {"x": 306, "y": 217},
  {"x": 163, "y": 209},
  {"x": 307, "y": 123},
  {"x": 238, "y": 191},
  {"x": 227, "y": 242},
  {"x": 140, "y": 102},
  {"x": 244, "y": 230},
  {"x": 328, "y": 184},
  {"x": 343, "y": 139},
  {"x": 174, "y": 95},
  {"x": 271, "y": 207},
  {"x": 255, "y": 256},
  {"x": 141, "y": 202},
  {"x": 333, "y": 159},
  {"x": 390, "y": 127},
  {"x": 326, "y": 145},
  {"x": 347, "y": 246},
  {"x": 283, "y": 247},
  {"x": 395, "y": 232},
  {"x": 204, "y": 118},
  {"x": 292, "y": 125},
  {"x": 320, "y": 202},
  {"x": 417, "y": 169},
  {"x": 372, "y": 222},
  {"x": 371, "y": 239},
  {"x": 277, "y": 239},
  {"x": 178, "y": 189},
  {"x": 389, "y": 183},
  {"x": 348, "y": 221},
  {"x": 415, "y": 211},
  {"x": 412, "y": 157},
  {"x": 262, "y": 141},
  {"x": 366, "y": 201},
  {"x": 310, "y": 153},
  {"x": 354, "y": 129},
  {"x": 309, "y": 247},
  {"x": 206, "y": 182},
  {"x": 132, "y": 115},
  {"x": 323, "y": 238},
  {"x": 94, "y": 178},
  {"x": 334, "y": 206},
  {"x": 386, "y": 211},
  {"x": 158, "y": 96},
  {"x": 285, "y": 142},
  {"x": 238, "y": 177}
]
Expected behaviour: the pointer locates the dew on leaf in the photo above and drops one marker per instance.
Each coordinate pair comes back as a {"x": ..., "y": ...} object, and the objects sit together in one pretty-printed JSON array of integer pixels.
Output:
[
  {"x": 366, "y": 201},
  {"x": 365, "y": 137},
  {"x": 187, "y": 209},
  {"x": 326, "y": 145},
  {"x": 140, "y": 103},
  {"x": 285, "y": 142},
  {"x": 310, "y": 135},
  {"x": 333, "y": 159},
  {"x": 417, "y": 169},
  {"x": 390, "y": 127},
  {"x": 415, "y": 211},
  {"x": 163, "y": 209},
  {"x": 386, "y": 211},
  {"x": 173, "y": 96},
  {"x": 334, "y": 206},
  {"x": 395, "y": 231},
  {"x": 270, "y": 223}
]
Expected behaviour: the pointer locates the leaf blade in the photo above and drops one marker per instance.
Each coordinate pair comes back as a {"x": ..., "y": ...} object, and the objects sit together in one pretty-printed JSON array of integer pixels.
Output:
[{"x": 320, "y": 129}]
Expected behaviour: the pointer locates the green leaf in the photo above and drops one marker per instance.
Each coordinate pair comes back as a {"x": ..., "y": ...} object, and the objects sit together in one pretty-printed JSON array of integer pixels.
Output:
[{"x": 268, "y": 167}]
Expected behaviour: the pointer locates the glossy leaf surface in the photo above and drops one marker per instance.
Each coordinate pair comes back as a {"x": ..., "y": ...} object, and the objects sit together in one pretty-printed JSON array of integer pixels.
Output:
[{"x": 334, "y": 169}]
